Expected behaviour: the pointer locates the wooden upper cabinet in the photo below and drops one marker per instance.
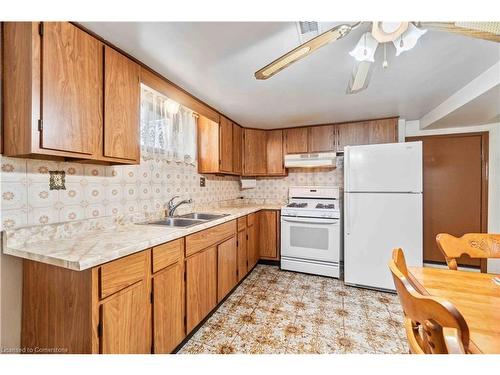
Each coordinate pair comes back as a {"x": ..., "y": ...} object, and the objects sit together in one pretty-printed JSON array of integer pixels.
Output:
[
  {"x": 296, "y": 140},
  {"x": 351, "y": 134},
  {"x": 383, "y": 131},
  {"x": 71, "y": 88},
  {"x": 121, "y": 106},
  {"x": 208, "y": 145},
  {"x": 275, "y": 162},
  {"x": 226, "y": 145},
  {"x": 255, "y": 150},
  {"x": 237, "y": 149},
  {"x": 322, "y": 138}
]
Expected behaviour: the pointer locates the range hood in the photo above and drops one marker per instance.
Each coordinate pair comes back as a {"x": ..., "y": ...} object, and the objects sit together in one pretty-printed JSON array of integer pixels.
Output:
[{"x": 320, "y": 159}]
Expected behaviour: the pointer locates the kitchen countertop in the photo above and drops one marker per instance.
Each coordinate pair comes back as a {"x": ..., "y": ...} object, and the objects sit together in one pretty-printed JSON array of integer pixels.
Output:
[{"x": 98, "y": 244}]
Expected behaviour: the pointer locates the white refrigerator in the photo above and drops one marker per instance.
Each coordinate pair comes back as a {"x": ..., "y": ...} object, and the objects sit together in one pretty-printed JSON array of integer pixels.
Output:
[{"x": 383, "y": 210}]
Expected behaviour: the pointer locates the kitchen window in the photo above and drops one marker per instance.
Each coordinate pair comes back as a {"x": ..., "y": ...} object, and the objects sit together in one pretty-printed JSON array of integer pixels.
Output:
[{"x": 168, "y": 129}]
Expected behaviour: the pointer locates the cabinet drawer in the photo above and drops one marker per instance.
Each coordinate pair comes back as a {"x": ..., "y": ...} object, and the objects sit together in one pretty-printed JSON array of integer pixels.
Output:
[
  {"x": 242, "y": 223},
  {"x": 209, "y": 237},
  {"x": 166, "y": 254},
  {"x": 251, "y": 219},
  {"x": 121, "y": 273}
]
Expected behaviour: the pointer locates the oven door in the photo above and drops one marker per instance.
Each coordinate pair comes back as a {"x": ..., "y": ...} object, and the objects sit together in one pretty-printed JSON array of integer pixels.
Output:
[{"x": 310, "y": 238}]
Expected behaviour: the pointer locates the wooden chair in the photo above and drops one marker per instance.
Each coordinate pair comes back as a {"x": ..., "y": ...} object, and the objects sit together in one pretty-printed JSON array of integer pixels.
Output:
[
  {"x": 475, "y": 245},
  {"x": 433, "y": 325}
]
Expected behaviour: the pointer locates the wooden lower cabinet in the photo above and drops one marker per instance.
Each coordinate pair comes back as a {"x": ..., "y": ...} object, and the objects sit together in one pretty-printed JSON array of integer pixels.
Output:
[
  {"x": 252, "y": 240},
  {"x": 242, "y": 253},
  {"x": 227, "y": 267},
  {"x": 126, "y": 321},
  {"x": 168, "y": 308},
  {"x": 201, "y": 286},
  {"x": 269, "y": 234}
]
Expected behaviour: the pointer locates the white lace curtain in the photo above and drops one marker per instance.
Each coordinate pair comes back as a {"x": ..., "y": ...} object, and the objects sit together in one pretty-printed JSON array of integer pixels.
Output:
[{"x": 168, "y": 130}]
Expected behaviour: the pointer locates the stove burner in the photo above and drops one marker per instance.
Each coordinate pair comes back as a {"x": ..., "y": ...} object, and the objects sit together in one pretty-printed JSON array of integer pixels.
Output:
[
  {"x": 297, "y": 205},
  {"x": 329, "y": 206}
]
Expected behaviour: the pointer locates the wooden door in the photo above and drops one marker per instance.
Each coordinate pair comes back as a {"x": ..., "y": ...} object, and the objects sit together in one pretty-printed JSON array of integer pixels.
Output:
[
  {"x": 168, "y": 308},
  {"x": 121, "y": 106},
  {"x": 268, "y": 246},
  {"x": 275, "y": 162},
  {"x": 322, "y": 138},
  {"x": 455, "y": 188},
  {"x": 352, "y": 134},
  {"x": 71, "y": 89},
  {"x": 242, "y": 254},
  {"x": 237, "y": 148},
  {"x": 227, "y": 267},
  {"x": 201, "y": 286},
  {"x": 226, "y": 145},
  {"x": 126, "y": 321},
  {"x": 296, "y": 140},
  {"x": 255, "y": 145},
  {"x": 383, "y": 131}
]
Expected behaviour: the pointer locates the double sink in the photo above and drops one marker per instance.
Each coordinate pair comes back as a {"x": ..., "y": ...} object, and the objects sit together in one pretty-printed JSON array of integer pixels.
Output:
[{"x": 187, "y": 220}]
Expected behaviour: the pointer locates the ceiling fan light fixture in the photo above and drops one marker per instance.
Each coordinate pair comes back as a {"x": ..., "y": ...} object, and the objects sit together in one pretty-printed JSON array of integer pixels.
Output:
[
  {"x": 365, "y": 49},
  {"x": 408, "y": 39}
]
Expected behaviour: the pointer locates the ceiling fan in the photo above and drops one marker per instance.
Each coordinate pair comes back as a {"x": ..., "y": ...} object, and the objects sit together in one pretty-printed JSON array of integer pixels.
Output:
[{"x": 403, "y": 35}]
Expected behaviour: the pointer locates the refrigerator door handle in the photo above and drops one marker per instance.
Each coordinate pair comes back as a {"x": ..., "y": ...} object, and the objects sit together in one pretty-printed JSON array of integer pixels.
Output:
[
  {"x": 348, "y": 214},
  {"x": 346, "y": 168}
]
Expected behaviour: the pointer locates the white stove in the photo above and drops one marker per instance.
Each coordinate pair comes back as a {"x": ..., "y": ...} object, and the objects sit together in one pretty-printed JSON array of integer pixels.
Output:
[{"x": 311, "y": 230}]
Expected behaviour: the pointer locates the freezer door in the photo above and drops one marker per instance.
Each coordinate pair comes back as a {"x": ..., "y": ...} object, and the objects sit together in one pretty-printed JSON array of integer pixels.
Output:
[
  {"x": 391, "y": 167},
  {"x": 375, "y": 224}
]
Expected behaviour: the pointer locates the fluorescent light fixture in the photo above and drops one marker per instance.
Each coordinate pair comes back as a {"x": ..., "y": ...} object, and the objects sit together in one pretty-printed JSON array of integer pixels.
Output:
[
  {"x": 365, "y": 49},
  {"x": 408, "y": 39}
]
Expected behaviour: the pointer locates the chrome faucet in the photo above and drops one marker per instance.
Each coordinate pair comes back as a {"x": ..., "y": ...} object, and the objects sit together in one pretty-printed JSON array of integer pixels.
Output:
[{"x": 170, "y": 207}]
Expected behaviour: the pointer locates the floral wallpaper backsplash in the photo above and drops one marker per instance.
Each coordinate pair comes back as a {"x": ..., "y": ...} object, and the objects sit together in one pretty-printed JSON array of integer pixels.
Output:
[{"x": 94, "y": 191}]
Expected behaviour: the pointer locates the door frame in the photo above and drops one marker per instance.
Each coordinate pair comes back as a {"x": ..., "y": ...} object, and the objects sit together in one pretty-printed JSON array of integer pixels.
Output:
[{"x": 484, "y": 169}]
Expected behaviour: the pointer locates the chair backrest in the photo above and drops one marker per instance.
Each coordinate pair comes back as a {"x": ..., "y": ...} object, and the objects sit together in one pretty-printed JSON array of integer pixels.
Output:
[
  {"x": 433, "y": 325},
  {"x": 475, "y": 245}
]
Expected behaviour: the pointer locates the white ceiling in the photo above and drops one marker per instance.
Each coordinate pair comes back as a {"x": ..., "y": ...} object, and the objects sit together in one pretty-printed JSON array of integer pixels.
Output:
[{"x": 215, "y": 61}]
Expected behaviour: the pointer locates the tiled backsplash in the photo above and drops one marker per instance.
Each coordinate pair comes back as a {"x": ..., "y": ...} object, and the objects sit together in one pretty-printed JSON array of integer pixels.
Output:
[
  {"x": 96, "y": 191},
  {"x": 277, "y": 188}
]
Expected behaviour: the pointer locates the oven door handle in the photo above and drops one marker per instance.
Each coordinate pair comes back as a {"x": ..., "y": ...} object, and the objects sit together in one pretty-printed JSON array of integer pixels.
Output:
[{"x": 307, "y": 220}]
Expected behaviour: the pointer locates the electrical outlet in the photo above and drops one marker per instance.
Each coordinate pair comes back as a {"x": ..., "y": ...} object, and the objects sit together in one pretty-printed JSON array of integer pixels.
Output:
[
  {"x": 202, "y": 181},
  {"x": 57, "y": 180}
]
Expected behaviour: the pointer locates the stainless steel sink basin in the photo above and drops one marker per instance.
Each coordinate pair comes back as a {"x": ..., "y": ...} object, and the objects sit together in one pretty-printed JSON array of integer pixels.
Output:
[
  {"x": 176, "y": 222},
  {"x": 202, "y": 216}
]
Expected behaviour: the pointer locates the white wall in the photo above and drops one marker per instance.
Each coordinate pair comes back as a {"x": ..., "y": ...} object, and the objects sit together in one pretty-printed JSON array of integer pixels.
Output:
[{"x": 412, "y": 128}]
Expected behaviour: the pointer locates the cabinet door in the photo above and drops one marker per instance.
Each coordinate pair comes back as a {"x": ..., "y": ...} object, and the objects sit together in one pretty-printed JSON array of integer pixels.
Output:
[
  {"x": 168, "y": 308},
  {"x": 275, "y": 162},
  {"x": 268, "y": 246},
  {"x": 322, "y": 138},
  {"x": 201, "y": 286},
  {"x": 71, "y": 89},
  {"x": 252, "y": 245},
  {"x": 227, "y": 266},
  {"x": 296, "y": 140},
  {"x": 351, "y": 134},
  {"x": 126, "y": 321},
  {"x": 226, "y": 145},
  {"x": 383, "y": 131},
  {"x": 121, "y": 106},
  {"x": 242, "y": 254},
  {"x": 237, "y": 148},
  {"x": 255, "y": 152},
  {"x": 208, "y": 145}
]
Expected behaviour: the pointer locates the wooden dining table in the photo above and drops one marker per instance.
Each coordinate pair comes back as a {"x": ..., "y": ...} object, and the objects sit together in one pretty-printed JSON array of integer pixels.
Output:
[{"x": 474, "y": 294}]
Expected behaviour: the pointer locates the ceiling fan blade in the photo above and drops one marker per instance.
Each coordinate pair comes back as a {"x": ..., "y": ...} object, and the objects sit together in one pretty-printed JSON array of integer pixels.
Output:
[
  {"x": 304, "y": 50},
  {"x": 360, "y": 77},
  {"x": 480, "y": 30}
]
